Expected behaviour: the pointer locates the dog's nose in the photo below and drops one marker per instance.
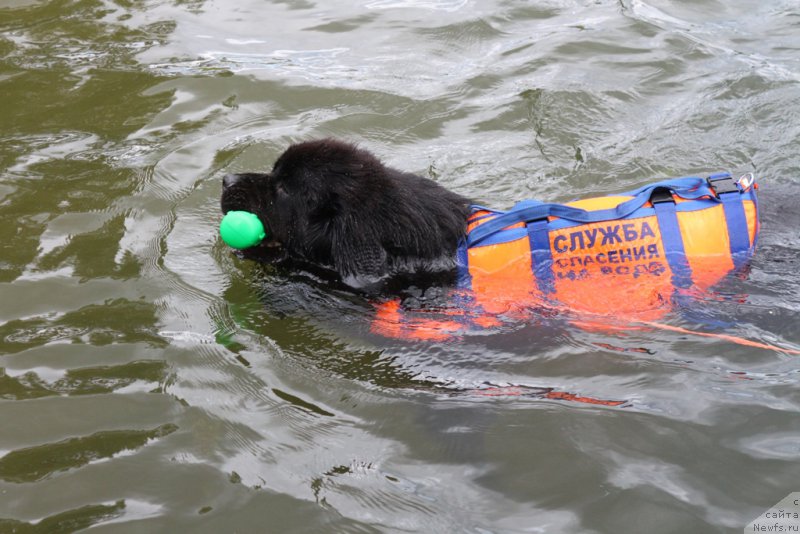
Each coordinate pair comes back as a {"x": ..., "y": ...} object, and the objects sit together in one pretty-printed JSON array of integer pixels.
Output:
[{"x": 229, "y": 179}]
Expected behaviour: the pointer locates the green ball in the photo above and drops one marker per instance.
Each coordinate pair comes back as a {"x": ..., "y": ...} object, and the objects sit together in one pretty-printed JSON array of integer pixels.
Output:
[{"x": 241, "y": 229}]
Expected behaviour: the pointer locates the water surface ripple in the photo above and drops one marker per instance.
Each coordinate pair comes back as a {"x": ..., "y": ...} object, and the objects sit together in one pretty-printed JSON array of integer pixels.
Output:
[{"x": 150, "y": 381}]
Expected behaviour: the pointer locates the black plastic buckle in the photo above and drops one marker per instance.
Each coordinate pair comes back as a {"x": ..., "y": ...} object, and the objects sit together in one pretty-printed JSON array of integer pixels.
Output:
[
  {"x": 661, "y": 194},
  {"x": 722, "y": 184}
]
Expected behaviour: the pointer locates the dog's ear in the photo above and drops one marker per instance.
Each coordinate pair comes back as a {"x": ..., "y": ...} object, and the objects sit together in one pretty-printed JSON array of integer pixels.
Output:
[
  {"x": 359, "y": 258},
  {"x": 357, "y": 253},
  {"x": 353, "y": 252}
]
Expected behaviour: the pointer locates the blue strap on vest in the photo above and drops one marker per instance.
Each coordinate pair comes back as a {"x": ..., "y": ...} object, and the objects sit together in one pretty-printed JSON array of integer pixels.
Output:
[
  {"x": 688, "y": 188},
  {"x": 729, "y": 194},
  {"x": 463, "y": 278},
  {"x": 671, "y": 237},
  {"x": 541, "y": 256}
]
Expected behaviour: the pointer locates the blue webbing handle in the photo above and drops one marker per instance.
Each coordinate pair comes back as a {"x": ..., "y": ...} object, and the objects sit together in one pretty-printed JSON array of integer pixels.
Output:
[{"x": 688, "y": 188}]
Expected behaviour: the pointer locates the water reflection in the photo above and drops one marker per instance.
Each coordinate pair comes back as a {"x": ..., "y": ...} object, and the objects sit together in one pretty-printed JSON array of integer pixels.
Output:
[
  {"x": 554, "y": 356},
  {"x": 175, "y": 388}
]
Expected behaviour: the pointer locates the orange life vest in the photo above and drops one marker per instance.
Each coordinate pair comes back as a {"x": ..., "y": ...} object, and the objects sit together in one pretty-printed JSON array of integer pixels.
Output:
[{"x": 627, "y": 255}]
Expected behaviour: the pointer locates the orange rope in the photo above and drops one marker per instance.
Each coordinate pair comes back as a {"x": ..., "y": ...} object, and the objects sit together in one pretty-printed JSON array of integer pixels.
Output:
[{"x": 726, "y": 337}]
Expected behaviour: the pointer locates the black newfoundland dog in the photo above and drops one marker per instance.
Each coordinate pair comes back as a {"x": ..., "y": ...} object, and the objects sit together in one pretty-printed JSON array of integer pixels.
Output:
[{"x": 328, "y": 203}]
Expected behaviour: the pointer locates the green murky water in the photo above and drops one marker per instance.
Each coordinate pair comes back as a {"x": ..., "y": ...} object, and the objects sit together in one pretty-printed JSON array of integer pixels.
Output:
[{"x": 152, "y": 382}]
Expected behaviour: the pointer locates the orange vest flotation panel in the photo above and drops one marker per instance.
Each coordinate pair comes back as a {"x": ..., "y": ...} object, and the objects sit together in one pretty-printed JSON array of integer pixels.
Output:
[{"x": 624, "y": 254}]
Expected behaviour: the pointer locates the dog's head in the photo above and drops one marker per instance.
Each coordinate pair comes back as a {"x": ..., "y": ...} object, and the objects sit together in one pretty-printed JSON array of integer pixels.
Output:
[
  {"x": 311, "y": 202},
  {"x": 331, "y": 204}
]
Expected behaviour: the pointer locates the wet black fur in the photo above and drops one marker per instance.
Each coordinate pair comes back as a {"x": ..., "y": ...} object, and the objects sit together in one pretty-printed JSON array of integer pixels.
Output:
[{"x": 331, "y": 204}]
